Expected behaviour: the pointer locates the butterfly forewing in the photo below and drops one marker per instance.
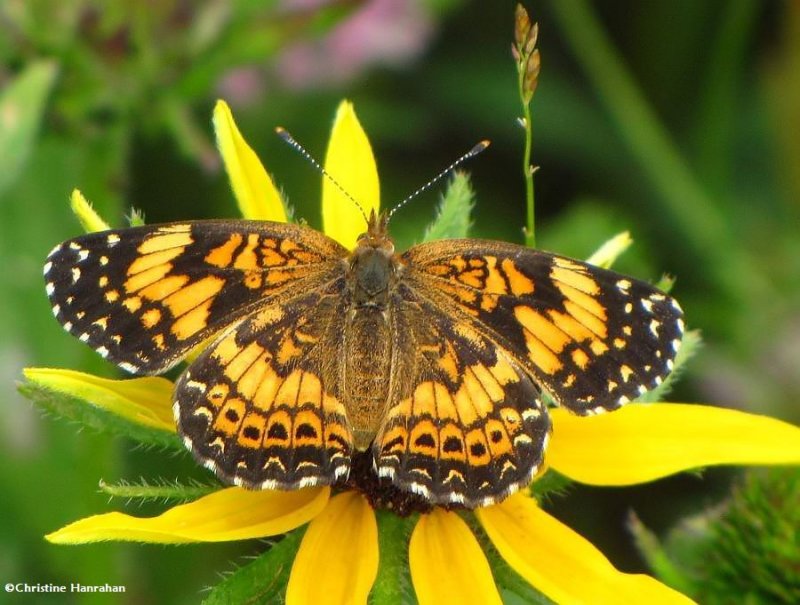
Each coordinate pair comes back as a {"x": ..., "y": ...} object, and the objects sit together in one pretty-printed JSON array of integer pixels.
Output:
[
  {"x": 143, "y": 297},
  {"x": 594, "y": 339}
]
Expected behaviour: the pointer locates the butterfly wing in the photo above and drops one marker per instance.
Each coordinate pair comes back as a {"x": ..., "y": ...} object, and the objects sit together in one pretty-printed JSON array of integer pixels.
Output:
[
  {"x": 143, "y": 297},
  {"x": 466, "y": 425},
  {"x": 594, "y": 339},
  {"x": 260, "y": 406}
]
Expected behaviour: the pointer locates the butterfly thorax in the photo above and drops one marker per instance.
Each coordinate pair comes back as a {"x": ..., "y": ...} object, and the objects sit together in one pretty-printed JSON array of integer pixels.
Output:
[
  {"x": 372, "y": 267},
  {"x": 371, "y": 278}
]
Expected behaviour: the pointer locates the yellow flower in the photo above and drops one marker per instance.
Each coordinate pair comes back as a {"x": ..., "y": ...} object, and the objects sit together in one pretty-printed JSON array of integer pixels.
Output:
[{"x": 338, "y": 558}]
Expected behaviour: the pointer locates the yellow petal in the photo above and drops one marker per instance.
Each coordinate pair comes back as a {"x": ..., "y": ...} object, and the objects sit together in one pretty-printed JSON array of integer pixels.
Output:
[
  {"x": 232, "y": 513},
  {"x": 256, "y": 194},
  {"x": 338, "y": 557},
  {"x": 349, "y": 160},
  {"x": 146, "y": 401},
  {"x": 609, "y": 251},
  {"x": 642, "y": 442},
  {"x": 561, "y": 563},
  {"x": 89, "y": 219},
  {"x": 447, "y": 563}
]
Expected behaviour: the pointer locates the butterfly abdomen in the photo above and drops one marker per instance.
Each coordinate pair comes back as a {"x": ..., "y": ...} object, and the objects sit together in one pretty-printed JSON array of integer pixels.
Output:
[{"x": 367, "y": 367}]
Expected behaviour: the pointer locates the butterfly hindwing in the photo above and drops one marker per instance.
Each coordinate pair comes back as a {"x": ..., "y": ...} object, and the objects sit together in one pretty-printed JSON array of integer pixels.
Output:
[
  {"x": 145, "y": 296},
  {"x": 591, "y": 337},
  {"x": 469, "y": 427},
  {"x": 260, "y": 407}
]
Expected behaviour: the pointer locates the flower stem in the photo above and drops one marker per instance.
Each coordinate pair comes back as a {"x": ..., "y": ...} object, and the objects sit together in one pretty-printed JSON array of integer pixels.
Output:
[
  {"x": 527, "y": 61},
  {"x": 527, "y": 171}
]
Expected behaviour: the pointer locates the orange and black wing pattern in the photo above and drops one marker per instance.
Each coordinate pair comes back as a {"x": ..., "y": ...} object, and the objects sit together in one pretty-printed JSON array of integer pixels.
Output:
[
  {"x": 143, "y": 297},
  {"x": 592, "y": 338},
  {"x": 467, "y": 426},
  {"x": 260, "y": 407}
]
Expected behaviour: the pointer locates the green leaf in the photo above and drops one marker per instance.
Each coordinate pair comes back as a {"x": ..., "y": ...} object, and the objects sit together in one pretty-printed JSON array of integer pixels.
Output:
[
  {"x": 692, "y": 341},
  {"x": 86, "y": 414},
  {"x": 22, "y": 106},
  {"x": 453, "y": 217},
  {"x": 261, "y": 581},
  {"x": 657, "y": 558},
  {"x": 162, "y": 491},
  {"x": 393, "y": 584},
  {"x": 550, "y": 484}
]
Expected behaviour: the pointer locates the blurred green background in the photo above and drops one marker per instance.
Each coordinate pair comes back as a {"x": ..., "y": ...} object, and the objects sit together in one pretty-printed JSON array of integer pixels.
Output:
[{"x": 676, "y": 120}]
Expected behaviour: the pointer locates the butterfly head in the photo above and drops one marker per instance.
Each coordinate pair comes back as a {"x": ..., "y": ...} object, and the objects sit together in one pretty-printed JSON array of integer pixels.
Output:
[{"x": 376, "y": 237}]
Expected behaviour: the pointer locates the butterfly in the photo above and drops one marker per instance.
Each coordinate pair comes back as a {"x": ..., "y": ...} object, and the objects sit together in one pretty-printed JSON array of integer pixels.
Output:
[{"x": 432, "y": 362}]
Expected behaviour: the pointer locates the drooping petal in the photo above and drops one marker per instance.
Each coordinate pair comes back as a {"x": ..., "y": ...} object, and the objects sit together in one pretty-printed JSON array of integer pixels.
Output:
[
  {"x": 338, "y": 557},
  {"x": 255, "y": 192},
  {"x": 88, "y": 217},
  {"x": 642, "y": 442},
  {"x": 349, "y": 160},
  {"x": 232, "y": 513},
  {"x": 447, "y": 563},
  {"x": 146, "y": 401},
  {"x": 561, "y": 563}
]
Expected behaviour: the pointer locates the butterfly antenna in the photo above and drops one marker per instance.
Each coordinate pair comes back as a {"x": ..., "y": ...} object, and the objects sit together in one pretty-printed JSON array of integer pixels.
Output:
[
  {"x": 284, "y": 134},
  {"x": 470, "y": 154}
]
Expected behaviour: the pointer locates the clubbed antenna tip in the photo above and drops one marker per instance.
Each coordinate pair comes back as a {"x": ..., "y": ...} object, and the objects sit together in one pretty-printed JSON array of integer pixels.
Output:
[{"x": 470, "y": 154}]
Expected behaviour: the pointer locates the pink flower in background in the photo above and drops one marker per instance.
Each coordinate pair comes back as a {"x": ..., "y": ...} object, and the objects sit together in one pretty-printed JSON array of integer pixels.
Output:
[{"x": 382, "y": 32}]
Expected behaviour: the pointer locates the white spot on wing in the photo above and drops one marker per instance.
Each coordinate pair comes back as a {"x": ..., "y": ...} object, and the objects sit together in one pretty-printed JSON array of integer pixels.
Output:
[
  {"x": 103, "y": 351},
  {"x": 420, "y": 489},
  {"x": 47, "y": 266},
  {"x": 128, "y": 367},
  {"x": 83, "y": 255},
  {"x": 193, "y": 384},
  {"x": 76, "y": 274},
  {"x": 387, "y": 472},
  {"x": 112, "y": 239},
  {"x": 49, "y": 288},
  {"x": 530, "y": 414},
  {"x": 56, "y": 310}
]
